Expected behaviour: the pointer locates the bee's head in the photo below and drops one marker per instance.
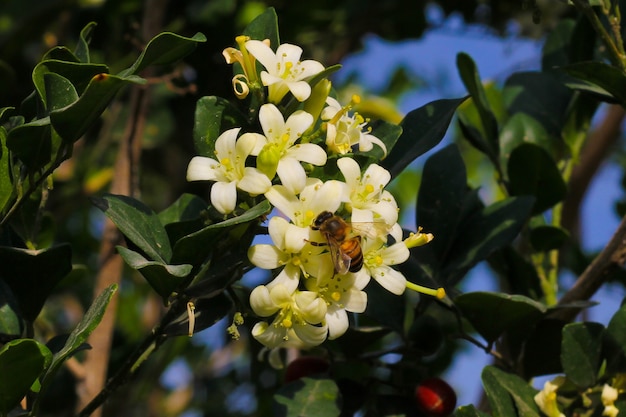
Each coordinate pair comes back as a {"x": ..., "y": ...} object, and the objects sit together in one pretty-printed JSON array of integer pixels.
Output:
[{"x": 321, "y": 218}]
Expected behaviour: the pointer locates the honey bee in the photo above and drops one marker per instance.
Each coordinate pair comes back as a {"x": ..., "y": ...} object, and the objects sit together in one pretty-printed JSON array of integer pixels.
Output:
[{"x": 345, "y": 249}]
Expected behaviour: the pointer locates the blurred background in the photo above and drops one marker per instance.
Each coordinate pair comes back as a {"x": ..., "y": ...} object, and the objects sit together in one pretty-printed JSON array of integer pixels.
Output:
[{"x": 396, "y": 54}]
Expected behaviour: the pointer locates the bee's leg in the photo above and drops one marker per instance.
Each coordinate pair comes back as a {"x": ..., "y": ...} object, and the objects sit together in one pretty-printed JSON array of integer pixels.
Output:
[{"x": 316, "y": 243}]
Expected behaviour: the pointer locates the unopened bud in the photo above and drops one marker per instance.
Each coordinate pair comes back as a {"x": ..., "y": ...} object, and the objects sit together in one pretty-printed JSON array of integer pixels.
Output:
[{"x": 267, "y": 161}]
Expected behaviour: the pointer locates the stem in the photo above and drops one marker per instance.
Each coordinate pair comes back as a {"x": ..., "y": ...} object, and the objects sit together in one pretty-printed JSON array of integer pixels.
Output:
[{"x": 149, "y": 345}]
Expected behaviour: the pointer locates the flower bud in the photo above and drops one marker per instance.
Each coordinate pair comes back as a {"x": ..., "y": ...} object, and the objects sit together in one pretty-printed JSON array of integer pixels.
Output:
[
  {"x": 267, "y": 161},
  {"x": 317, "y": 100}
]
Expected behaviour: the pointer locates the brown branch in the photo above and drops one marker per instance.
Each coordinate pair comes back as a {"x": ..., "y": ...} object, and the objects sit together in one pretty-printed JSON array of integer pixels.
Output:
[
  {"x": 612, "y": 256},
  {"x": 594, "y": 153}
]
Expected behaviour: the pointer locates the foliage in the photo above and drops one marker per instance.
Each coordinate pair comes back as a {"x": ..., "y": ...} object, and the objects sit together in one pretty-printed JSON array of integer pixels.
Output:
[{"x": 287, "y": 143}]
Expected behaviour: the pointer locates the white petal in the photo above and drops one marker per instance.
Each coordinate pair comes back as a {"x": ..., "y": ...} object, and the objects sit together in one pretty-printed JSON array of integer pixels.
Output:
[
  {"x": 365, "y": 144},
  {"x": 224, "y": 196},
  {"x": 288, "y": 278},
  {"x": 295, "y": 238},
  {"x": 311, "y": 335},
  {"x": 245, "y": 145},
  {"x": 337, "y": 321},
  {"x": 266, "y": 256},
  {"x": 262, "y": 53},
  {"x": 361, "y": 278},
  {"x": 225, "y": 143},
  {"x": 390, "y": 279},
  {"x": 377, "y": 176},
  {"x": 270, "y": 80},
  {"x": 310, "y": 67},
  {"x": 298, "y": 123},
  {"x": 268, "y": 335},
  {"x": 284, "y": 200},
  {"x": 288, "y": 52},
  {"x": 350, "y": 170},
  {"x": 259, "y": 144},
  {"x": 261, "y": 302},
  {"x": 301, "y": 90},
  {"x": 254, "y": 182},
  {"x": 202, "y": 168},
  {"x": 272, "y": 122},
  {"x": 308, "y": 152},
  {"x": 356, "y": 301},
  {"x": 395, "y": 254},
  {"x": 291, "y": 175}
]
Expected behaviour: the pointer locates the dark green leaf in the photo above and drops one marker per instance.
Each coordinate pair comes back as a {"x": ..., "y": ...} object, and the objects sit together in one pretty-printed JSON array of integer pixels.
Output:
[
  {"x": 264, "y": 26},
  {"x": 32, "y": 143},
  {"x": 139, "y": 224},
  {"x": 207, "y": 312},
  {"x": 164, "y": 49},
  {"x": 422, "y": 129},
  {"x": 6, "y": 180},
  {"x": 505, "y": 390},
  {"x": 580, "y": 352},
  {"x": 542, "y": 349},
  {"x": 82, "y": 46},
  {"x": 213, "y": 116},
  {"x": 162, "y": 277},
  {"x": 469, "y": 411},
  {"x": 556, "y": 49},
  {"x": 492, "y": 314},
  {"x": 33, "y": 274},
  {"x": 384, "y": 307},
  {"x": 518, "y": 273},
  {"x": 616, "y": 327},
  {"x": 72, "y": 121},
  {"x": 388, "y": 133},
  {"x": 21, "y": 363},
  {"x": 485, "y": 231},
  {"x": 545, "y": 238},
  {"x": 11, "y": 325},
  {"x": 519, "y": 129},
  {"x": 308, "y": 397},
  {"x": 59, "y": 91},
  {"x": 598, "y": 78},
  {"x": 440, "y": 200},
  {"x": 78, "y": 74},
  {"x": 471, "y": 80},
  {"x": 81, "y": 332},
  {"x": 186, "y": 207},
  {"x": 532, "y": 171}
]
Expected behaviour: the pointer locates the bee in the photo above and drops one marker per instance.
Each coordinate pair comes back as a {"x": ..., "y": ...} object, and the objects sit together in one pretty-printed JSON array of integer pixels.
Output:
[{"x": 345, "y": 249}]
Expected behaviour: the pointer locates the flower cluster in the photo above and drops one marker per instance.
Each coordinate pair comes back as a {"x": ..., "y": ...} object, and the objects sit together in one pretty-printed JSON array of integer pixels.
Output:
[{"x": 332, "y": 235}]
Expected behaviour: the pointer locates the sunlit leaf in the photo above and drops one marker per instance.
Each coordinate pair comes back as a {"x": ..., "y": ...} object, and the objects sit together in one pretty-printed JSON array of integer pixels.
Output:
[{"x": 213, "y": 116}]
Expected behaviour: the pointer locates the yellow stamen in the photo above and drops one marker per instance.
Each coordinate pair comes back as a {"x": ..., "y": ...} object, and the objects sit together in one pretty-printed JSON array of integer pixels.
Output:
[{"x": 335, "y": 295}]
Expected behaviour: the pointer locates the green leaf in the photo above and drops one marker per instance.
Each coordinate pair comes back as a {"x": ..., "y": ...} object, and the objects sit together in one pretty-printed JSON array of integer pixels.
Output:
[
  {"x": 164, "y": 278},
  {"x": 616, "y": 327},
  {"x": 213, "y": 116},
  {"x": 485, "y": 231},
  {"x": 186, "y": 207},
  {"x": 199, "y": 244},
  {"x": 264, "y": 26},
  {"x": 384, "y": 307},
  {"x": 556, "y": 49},
  {"x": 72, "y": 121},
  {"x": 11, "y": 325},
  {"x": 81, "y": 332},
  {"x": 492, "y": 314},
  {"x": 532, "y": 171},
  {"x": 441, "y": 199},
  {"x": 388, "y": 133},
  {"x": 6, "y": 180},
  {"x": 422, "y": 129},
  {"x": 59, "y": 91},
  {"x": 33, "y": 274},
  {"x": 604, "y": 80},
  {"x": 207, "y": 312},
  {"x": 77, "y": 73},
  {"x": 82, "y": 46},
  {"x": 164, "y": 49},
  {"x": 469, "y": 411},
  {"x": 32, "y": 143},
  {"x": 21, "y": 363},
  {"x": 471, "y": 80},
  {"x": 581, "y": 351},
  {"x": 545, "y": 238},
  {"x": 138, "y": 223},
  {"x": 508, "y": 394},
  {"x": 542, "y": 349},
  {"x": 307, "y": 397}
]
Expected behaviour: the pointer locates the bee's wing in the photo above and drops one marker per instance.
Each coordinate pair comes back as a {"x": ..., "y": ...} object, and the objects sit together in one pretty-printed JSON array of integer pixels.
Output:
[
  {"x": 370, "y": 229},
  {"x": 341, "y": 261}
]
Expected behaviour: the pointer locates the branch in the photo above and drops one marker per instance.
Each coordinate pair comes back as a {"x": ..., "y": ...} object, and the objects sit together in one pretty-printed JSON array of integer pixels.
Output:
[{"x": 612, "y": 256}]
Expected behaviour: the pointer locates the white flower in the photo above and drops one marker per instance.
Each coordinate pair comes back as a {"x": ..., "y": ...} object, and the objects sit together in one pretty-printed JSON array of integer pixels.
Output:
[
  {"x": 344, "y": 131},
  {"x": 281, "y": 136},
  {"x": 609, "y": 396},
  {"x": 316, "y": 197},
  {"x": 284, "y": 70},
  {"x": 228, "y": 170},
  {"x": 367, "y": 191},
  {"x": 342, "y": 293},
  {"x": 546, "y": 398},
  {"x": 291, "y": 250},
  {"x": 377, "y": 261},
  {"x": 299, "y": 314}
]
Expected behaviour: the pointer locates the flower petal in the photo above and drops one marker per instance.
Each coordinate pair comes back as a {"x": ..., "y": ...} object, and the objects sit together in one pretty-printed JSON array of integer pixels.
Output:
[
  {"x": 261, "y": 302},
  {"x": 390, "y": 279},
  {"x": 254, "y": 182},
  {"x": 308, "y": 152},
  {"x": 272, "y": 122},
  {"x": 337, "y": 321},
  {"x": 262, "y": 53},
  {"x": 301, "y": 90},
  {"x": 311, "y": 335},
  {"x": 202, "y": 168},
  {"x": 350, "y": 170},
  {"x": 291, "y": 175},
  {"x": 225, "y": 143},
  {"x": 288, "y": 278},
  {"x": 298, "y": 123},
  {"x": 266, "y": 256},
  {"x": 224, "y": 196},
  {"x": 284, "y": 200}
]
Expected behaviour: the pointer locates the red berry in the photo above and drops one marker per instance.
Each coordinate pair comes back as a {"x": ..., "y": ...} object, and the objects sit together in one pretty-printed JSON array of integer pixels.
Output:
[
  {"x": 435, "y": 397},
  {"x": 305, "y": 366}
]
